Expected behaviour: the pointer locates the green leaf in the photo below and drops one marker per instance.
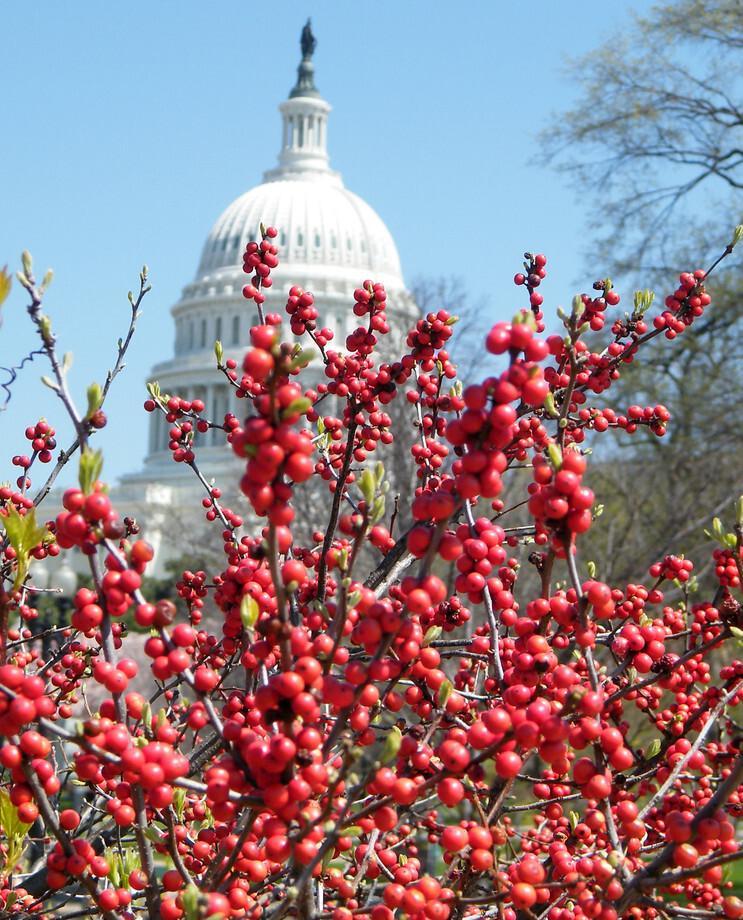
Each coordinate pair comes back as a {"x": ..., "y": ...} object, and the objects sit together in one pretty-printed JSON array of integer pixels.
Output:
[
  {"x": 555, "y": 455},
  {"x": 737, "y": 632},
  {"x": 190, "y": 899},
  {"x": 445, "y": 691},
  {"x": 392, "y": 744},
  {"x": 432, "y": 634},
  {"x": 296, "y": 407},
  {"x": 549, "y": 405},
  {"x": 23, "y": 534},
  {"x": 14, "y": 830},
  {"x": 643, "y": 300},
  {"x": 302, "y": 358},
  {"x": 218, "y": 353},
  {"x": 45, "y": 327},
  {"x": 179, "y": 801},
  {"x": 95, "y": 398},
  {"x": 574, "y": 819},
  {"x": 653, "y": 749},
  {"x": 249, "y": 611},
  {"x": 377, "y": 512},
  {"x": 367, "y": 484},
  {"x": 91, "y": 465}
]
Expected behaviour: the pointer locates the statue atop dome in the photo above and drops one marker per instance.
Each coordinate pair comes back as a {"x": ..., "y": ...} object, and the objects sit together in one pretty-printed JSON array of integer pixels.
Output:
[
  {"x": 305, "y": 85},
  {"x": 307, "y": 42}
]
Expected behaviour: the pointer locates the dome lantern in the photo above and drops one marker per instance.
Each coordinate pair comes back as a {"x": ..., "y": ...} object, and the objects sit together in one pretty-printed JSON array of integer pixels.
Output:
[{"x": 304, "y": 144}]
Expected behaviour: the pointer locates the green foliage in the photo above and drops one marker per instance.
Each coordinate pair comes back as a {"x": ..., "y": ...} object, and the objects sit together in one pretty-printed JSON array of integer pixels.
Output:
[
  {"x": 123, "y": 861},
  {"x": 249, "y": 611},
  {"x": 23, "y": 534},
  {"x": 15, "y": 833},
  {"x": 95, "y": 398},
  {"x": 91, "y": 465},
  {"x": 392, "y": 744}
]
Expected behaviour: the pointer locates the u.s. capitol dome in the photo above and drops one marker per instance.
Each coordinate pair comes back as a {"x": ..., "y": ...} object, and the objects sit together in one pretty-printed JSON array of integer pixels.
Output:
[{"x": 329, "y": 240}]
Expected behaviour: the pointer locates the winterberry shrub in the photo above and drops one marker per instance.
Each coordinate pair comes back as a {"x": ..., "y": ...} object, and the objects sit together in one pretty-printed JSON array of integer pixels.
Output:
[{"x": 474, "y": 724}]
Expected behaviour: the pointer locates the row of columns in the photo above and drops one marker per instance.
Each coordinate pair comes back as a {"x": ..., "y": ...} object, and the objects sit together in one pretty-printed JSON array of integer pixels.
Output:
[
  {"x": 197, "y": 334},
  {"x": 304, "y": 131}
]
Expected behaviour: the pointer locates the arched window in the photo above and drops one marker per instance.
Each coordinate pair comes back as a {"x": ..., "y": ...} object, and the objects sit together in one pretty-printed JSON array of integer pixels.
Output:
[
  {"x": 203, "y": 333},
  {"x": 218, "y": 328},
  {"x": 235, "y": 330}
]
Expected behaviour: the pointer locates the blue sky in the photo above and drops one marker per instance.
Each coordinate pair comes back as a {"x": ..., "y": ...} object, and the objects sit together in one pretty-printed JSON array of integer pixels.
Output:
[{"x": 129, "y": 127}]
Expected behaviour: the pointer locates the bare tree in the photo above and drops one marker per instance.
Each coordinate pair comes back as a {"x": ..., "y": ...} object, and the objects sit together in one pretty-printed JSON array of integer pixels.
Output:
[{"x": 658, "y": 127}]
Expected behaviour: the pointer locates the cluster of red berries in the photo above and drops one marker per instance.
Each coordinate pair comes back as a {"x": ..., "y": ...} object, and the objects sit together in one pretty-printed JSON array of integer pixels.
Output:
[
  {"x": 594, "y": 308},
  {"x": 534, "y": 273},
  {"x": 277, "y": 453},
  {"x": 304, "y": 315},
  {"x": 28, "y": 703},
  {"x": 86, "y": 520},
  {"x": 672, "y": 568},
  {"x": 687, "y": 303},
  {"x": 43, "y": 441},
  {"x": 727, "y": 569},
  {"x": 645, "y": 645},
  {"x": 361, "y": 700},
  {"x": 430, "y": 335},
  {"x": 258, "y": 260},
  {"x": 559, "y": 500}
]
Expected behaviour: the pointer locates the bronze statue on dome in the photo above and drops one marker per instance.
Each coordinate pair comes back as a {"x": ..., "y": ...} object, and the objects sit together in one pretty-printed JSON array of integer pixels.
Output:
[{"x": 308, "y": 42}]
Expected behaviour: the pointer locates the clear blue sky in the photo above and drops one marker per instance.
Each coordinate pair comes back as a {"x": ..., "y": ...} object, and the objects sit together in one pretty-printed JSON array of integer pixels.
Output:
[{"x": 128, "y": 127}]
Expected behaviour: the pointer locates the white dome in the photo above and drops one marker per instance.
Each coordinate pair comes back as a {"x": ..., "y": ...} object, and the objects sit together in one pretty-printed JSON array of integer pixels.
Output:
[
  {"x": 329, "y": 242},
  {"x": 319, "y": 223}
]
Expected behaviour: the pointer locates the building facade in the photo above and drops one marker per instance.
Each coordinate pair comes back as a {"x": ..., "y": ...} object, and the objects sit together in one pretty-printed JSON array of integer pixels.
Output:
[{"x": 329, "y": 240}]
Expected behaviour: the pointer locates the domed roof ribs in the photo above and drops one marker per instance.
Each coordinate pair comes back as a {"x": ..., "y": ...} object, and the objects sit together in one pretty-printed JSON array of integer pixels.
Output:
[{"x": 305, "y": 85}]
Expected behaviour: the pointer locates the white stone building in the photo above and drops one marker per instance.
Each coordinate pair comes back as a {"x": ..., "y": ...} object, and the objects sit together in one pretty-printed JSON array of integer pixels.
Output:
[{"x": 329, "y": 241}]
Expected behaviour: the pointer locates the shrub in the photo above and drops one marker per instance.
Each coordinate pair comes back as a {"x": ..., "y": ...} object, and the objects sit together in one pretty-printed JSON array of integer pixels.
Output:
[{"x": 458, "y": 719}]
